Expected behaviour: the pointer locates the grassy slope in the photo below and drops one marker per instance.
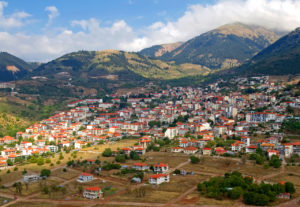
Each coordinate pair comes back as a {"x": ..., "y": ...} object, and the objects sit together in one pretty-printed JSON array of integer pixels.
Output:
[
  {"x": 128, "y": 66},
  {"x": 17, "y": 114}
]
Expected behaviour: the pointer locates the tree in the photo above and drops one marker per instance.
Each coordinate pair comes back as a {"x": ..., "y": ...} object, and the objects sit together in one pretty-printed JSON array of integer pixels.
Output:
[
  {"x": 45, "y": 173},
  {"x": 134, "y": 155},
  {"x": 9, "y": 162},
  {"x": 19, "y": 187},
  {"x": 107, "y": 152},
  {"x": 275, "y": 161},
  {"x": 235, "y": 193},
  {"x": 194, "y": 160},
  {"x": 120, "y": 158},
  {"x": 40, "y": 161},
  {"x": 289, "y": 187}
]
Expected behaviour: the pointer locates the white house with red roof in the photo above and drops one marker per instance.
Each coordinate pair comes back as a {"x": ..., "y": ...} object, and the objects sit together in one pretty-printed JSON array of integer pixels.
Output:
[
  {"x": 85, "y": 177},
  {"x": 161, "y": 168},
  {"x": 140, "y": 166},
  {"x": 159, "y": 178},
  {"x": 171, "y": 132},
  {"x": 288, "y": 150},
  {"x": 206, "y": 151},
  {"x": 79, "y": 144},
  {"x": 190, "y": 150},
  {"x": 177, "y": 149},
  {"x": 251, "y": 149},
  {"x": 92, "y": 193},
  {"x": 273, "y": 152}
]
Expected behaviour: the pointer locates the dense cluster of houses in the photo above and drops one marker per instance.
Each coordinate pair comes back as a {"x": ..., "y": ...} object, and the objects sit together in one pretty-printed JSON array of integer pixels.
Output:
[{"x": 202, "y": 113}]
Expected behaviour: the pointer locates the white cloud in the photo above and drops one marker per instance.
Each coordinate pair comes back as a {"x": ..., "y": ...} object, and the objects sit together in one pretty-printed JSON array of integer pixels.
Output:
[
  {"x": 16, "y": 19},
  {"x": 52, "y": 13},
  {"x": 90, "y": 34},
  {"x": 273, "y": 14},
  {"x": 45, "y": 47}
]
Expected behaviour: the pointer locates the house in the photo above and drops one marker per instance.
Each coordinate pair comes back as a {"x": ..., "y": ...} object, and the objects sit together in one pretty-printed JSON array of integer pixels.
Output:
[
  {"x": 284, "y": 196},
  {"x": 246, "y": 140},
  {"x": 52, "y": 148},
  {"x": 251, "y": 149},
  {"x": 171, "y": 132},
  {"x": 220, "y": 150},
  {"x": 161, "y": 168},
  {"x": 273, "y": 152},
  {"x": 140, "y": 166},
  {"x": 79, "y": 144},
  {"x": 85, "y": 177},
  {"x": 31, "y": 178},
  {"x": 177, "y": 149},
  {"x": 206, "y": 151},
  {"x": 190, "y": 150},
  {"x": 296, "y": 148},
  {"x": 92, "y": 193},
  {"x": 159, "y": 178},
  {"x": 183, "y": 143},
  {"x": 288, "y": 150},
  {"x": 237, "y": 146},
  {"x": 140, "y": 150}
]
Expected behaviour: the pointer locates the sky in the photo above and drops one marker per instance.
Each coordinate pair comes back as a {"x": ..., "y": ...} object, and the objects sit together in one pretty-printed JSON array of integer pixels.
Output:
[{"x": 41, "y": 30}]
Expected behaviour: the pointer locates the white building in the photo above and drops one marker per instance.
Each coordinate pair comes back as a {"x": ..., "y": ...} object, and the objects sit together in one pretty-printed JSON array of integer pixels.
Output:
[
  {"x": 171, "y": 132},
  {"x": 85, "y": 177},
  {"x": 161, "y": 168},
  {"x": 92, "y": 193},
  {"x": 159, "y": 178},
  {"x": 140, "y": 166}
]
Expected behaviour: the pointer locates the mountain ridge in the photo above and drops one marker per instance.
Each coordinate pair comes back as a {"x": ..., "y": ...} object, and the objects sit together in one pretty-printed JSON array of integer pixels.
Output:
[{"x": 224, "y": 47}]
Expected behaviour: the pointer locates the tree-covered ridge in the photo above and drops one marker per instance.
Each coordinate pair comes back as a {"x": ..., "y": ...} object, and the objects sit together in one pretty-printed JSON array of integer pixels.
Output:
[
  {"x": 280, "y": 58},
  {"x": 11, "y": 67},
  {"x": 129, "y": 66}
]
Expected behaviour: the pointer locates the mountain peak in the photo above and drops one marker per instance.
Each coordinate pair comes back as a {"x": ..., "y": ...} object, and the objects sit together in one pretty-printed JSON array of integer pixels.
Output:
[{"x": 246, "y": 31}]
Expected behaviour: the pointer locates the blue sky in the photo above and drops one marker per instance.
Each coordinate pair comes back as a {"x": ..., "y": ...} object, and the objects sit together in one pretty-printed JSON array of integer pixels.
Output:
[
  {"x": 137, "y": 13},
  {"x": 40, "y": 30}
]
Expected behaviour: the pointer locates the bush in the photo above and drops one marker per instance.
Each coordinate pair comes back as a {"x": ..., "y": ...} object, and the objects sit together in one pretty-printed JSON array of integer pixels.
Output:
[
  {"x": 134, "y": 155},
  {"x": 40, "y": 161},
  {"x": 45, "y": 172},
  {"x": 235, "y": 193},
  {"x": 111, "y": 166},
  {"x": 275, "y": 161},
  {"x": 177, "y": 172},
  {"x": 194, "y": 160},
  {"x": 252, "y": 198},
  {"x": 289, "y": 187},
  {"x": 120, "y": 158},
  {"x": 107, "y": 152}
]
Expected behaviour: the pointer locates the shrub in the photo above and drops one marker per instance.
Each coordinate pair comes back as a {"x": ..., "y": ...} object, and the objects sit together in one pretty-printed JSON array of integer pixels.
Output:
[
  {"x": 107, "y": 152},
  {"x": 45, "y": 172},
  {"x": 194, "y": 160}
]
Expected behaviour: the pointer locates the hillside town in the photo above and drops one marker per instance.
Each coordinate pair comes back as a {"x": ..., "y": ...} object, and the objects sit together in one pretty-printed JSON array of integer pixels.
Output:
[{"x": 193, "y": 121}]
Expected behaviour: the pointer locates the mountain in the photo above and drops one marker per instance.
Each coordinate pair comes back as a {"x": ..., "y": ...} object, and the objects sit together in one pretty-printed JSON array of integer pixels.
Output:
[
  {"x": 280, "y": 58},
  {"x": 227, "y": 46},
  {"x": 11, "y": 67},
  {"x": 113, "y": 65},
  {"x": 159, "y": 50}
]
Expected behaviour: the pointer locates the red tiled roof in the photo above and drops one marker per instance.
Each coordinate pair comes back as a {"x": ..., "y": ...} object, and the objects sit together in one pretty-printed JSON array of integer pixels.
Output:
[
  {"x": 93, "y": 188},
  {"x": 158, "y": 176}
]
